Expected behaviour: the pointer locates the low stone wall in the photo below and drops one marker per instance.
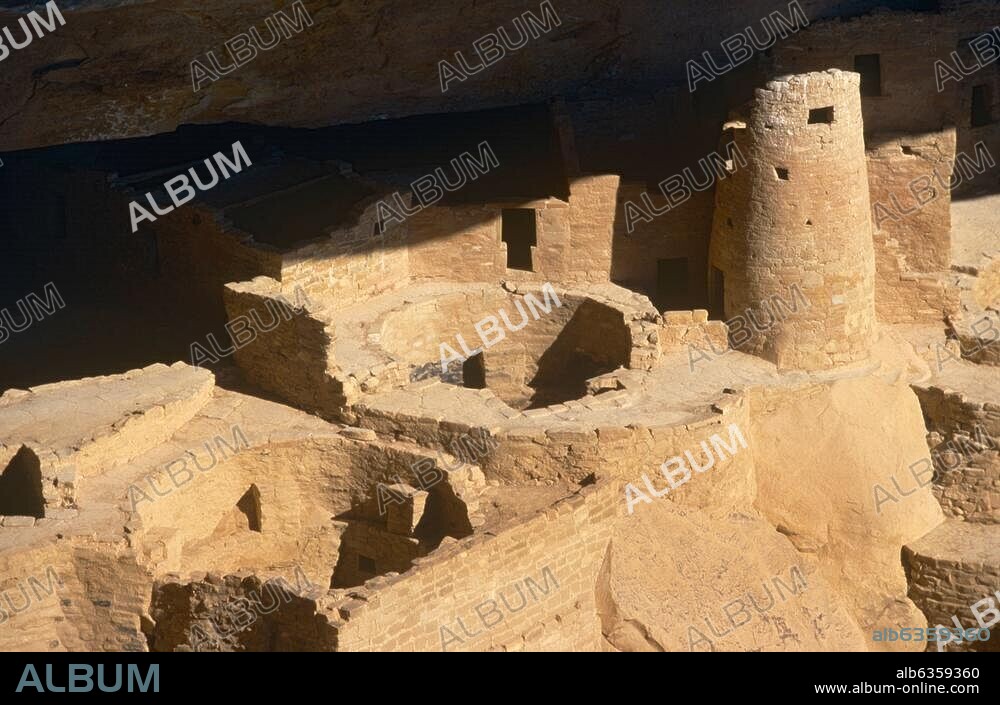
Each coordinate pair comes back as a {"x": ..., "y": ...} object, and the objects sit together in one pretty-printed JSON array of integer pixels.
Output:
[
  {"x": 290, "y": 350},
  {"x": 965, "y": 447},
  {"x": 954, "y": 574},
  {"x": 531, "y": 586},
  {"x": 683, "y": 330}
]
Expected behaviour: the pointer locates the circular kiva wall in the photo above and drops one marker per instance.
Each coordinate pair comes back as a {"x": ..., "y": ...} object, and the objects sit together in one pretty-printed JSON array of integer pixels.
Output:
[
  {"x": 791, "y": 253},
  {"x": 530, "y": 349}
]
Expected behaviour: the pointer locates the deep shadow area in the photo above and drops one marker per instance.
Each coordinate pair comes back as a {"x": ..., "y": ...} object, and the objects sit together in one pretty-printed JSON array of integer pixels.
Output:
[
  {"x": 592, "y": 343},
  {"x": 133, "y": 299},
  {"x": 21, "y": 487}
]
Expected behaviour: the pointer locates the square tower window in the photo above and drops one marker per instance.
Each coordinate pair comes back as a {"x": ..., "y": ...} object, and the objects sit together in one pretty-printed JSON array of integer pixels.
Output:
[
  {"x": 518, "y": 231},
  {"x": 821, "y": 116},
  {"x": 870, "y": 68},
  {"x": 982, "y": 105},
  {"x": 366, "y": 565},
  {"x": 781, "y": 173}
]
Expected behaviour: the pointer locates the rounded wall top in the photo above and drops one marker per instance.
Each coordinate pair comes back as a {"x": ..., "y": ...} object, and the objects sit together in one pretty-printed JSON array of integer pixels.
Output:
[
  {"x": 828, "y": 77},
  {"x": 828, "y": 100}
]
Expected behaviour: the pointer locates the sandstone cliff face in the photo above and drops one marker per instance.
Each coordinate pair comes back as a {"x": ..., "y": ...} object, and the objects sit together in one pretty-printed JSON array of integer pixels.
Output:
[
  {"x": 827, "y": 465},
  {"x": 125, "y": 67},
  {"x": 676, "y": 580},
  {"x": 814, "y": 563}
]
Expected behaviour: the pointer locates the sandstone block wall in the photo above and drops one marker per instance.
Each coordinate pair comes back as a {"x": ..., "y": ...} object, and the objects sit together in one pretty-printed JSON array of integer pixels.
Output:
[
  {"x": 682, "y": 232},
  {"x": 89, "y": 598},
  {"x": 193, "y": 522},
  {"x": 593, "y": 204},
  {"x": 569, "y": 540},
  {"x": 951, "y": 570},
  {"x": 456, "y": 243},
  {"x": 685, "y": 329},
  {"x": 364, "y": 540},
  {"x": 198, "y": 253},
  {"x": 352, "y": 263},
  {"x": 972, "y": 20},
  {"x": 907, "y": 44},
  {"x": 719, "y": 466},
  {"x": 908, "y": 176},
  {"x": 293, "y": 357},
  {"x": 978, "y": 335},
  {"x": 964, "y": 438}
]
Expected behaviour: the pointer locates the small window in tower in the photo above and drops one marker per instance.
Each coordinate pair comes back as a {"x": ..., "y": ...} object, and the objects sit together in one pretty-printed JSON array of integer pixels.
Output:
[
  {"x": 870, "y": 68},
  {"x": 366, "y": 565},
  {"x": 821, "y": 116},
  {"x": 982, "y": 105},
  {"x": 781, "y": 172},
  {"x": 518, "y": 231}
]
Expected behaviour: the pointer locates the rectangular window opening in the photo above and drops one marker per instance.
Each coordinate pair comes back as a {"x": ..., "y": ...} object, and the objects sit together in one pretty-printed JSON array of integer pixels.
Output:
[
  {"x": 982, "y": 105},
  {"x": 518, "y": 231},
  {"x": 672, "y": 284},
  {"x": 821, "y": 116}
]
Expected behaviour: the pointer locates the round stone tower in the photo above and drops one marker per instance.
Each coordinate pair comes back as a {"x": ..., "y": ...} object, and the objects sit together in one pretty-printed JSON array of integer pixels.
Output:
[{"x": 792, "y": 259}]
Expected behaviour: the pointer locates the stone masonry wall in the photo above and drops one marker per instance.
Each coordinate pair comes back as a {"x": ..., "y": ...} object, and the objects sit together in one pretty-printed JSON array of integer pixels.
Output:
[
  {"x": 964, "y": 437},
  {"x": 353, "y": 265},
  {"x": 457, "y": 243},
  {"x": 531, "y": 586},
  {"x": 907, "y": 45},
  {"x": 292, "y": 358},
  {"x": 778, "y": 224},
  {"x": 908, "y": 177},
  {"x": 950, "y": 571}
]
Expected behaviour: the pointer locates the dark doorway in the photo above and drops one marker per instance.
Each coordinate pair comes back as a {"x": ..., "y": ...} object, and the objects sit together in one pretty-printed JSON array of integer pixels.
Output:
[
  {"x": 518, "y": 231},
  {"x": 672, "y": 284},
  {"x": 982, "y": 105},
  {"x": 717, "y": 294},
  {"x": 474, "y": 372},
  {"x": 249, "y": 505},
  {"x": 21, "y": 487},
  {"x": 870, "y": 68}
]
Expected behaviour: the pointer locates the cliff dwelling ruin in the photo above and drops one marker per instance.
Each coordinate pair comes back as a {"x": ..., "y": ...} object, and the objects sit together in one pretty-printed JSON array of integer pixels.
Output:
[{"x": 674, "y": 328}]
